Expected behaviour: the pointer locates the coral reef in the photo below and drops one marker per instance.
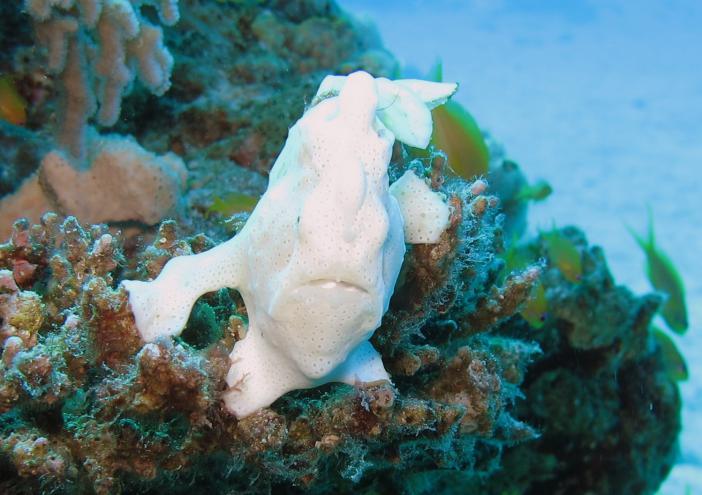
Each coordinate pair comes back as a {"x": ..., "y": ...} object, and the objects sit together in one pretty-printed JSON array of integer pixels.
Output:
[
  {"x": 125, "y": 183},
  {"x": 599, "y": 394},
  {"x": 270, "y": 58},
  {"x": 126, "y": 45},
  {"x": 98, "y": 48},
  {"x": 617, "y": 431},
  {"x": 481, "y": 401},
  {"x": 87, "y": 405}
]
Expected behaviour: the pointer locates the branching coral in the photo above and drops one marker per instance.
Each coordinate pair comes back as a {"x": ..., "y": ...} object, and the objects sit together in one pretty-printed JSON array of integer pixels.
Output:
[
  {"x": 86, "y": 404},
  {"x": 154, "y": 412},
  {"x": 99, "y": 47}
]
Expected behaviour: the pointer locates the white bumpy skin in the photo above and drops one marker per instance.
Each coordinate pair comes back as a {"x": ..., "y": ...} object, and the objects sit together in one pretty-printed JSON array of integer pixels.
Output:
[{"x": 318, "y": 259}]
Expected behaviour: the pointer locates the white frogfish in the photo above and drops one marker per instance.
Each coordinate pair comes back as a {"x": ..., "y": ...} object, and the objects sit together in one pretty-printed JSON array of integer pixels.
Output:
[{"x": 317, "y": 261}]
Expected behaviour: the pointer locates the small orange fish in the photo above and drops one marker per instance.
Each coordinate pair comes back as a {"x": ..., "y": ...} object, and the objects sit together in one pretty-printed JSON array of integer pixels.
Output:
[
  {"x": 674, "y": 362},
  {"x": 664, "y": 277},
  {"x": 535, "y": 192},
  {"x": 516, "y": 258},
  {"x": 536, "y": 308},
  {"x": 233, "y": 203},
  {"x": 563, "y": 254},
  {"x": 13, "y": 108},
  {"x": 457, "y": 134}
]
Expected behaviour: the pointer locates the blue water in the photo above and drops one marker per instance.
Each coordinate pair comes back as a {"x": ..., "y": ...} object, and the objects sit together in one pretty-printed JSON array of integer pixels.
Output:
[{"x": 604, "y": 100}]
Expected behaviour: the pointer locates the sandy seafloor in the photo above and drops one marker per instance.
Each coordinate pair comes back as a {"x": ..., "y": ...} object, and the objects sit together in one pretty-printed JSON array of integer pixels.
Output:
[{"x": 604, "y": 100}]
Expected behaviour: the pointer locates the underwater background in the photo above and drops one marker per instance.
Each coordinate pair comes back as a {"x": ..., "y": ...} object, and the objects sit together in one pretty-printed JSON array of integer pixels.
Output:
[{"x": 601, "y": 98}]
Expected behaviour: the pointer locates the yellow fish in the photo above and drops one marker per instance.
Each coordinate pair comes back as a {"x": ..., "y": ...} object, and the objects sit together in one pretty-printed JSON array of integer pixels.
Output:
[
  {"x": 233, "y": 203},
  {"x": 563, "y": 255},
  {"x": 457, "y": 134},
  {"x": 674, "y": 362},
  {"x": 664, "y": 278},
  {"x": 535, "y": 192},
  {"x": 536, "y": 308},
  {"x": 516, "y": 257},
  {"x": 13, "y": 108}
]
